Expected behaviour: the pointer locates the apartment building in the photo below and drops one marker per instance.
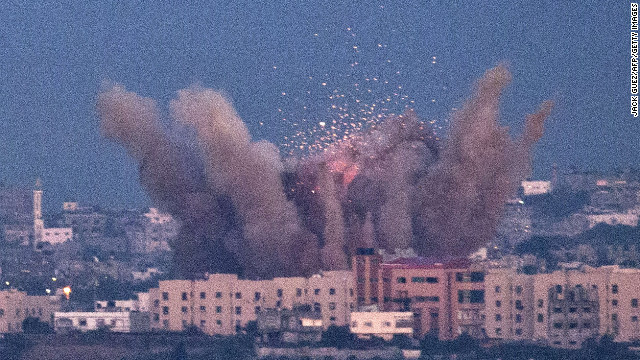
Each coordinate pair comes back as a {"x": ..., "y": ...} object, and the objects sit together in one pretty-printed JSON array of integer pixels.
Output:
[
  {"x": 366, "y": 265},
  {"x": 445, "y": 297},
  {"x": 223, "y": 304},
  {"x": 16, "y": 306},
  {"x": 563, "y": 308}
]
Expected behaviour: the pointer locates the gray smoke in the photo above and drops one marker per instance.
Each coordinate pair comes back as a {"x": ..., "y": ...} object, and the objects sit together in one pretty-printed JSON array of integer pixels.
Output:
[{"x": 391, "y": 186}]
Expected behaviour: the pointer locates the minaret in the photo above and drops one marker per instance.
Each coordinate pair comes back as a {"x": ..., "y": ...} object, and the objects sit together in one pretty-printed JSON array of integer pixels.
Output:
[{"x": 38, "y": 223}]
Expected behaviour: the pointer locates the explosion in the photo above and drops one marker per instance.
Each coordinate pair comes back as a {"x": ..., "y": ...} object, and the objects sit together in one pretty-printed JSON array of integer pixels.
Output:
[{"x": 394, "y": 185}]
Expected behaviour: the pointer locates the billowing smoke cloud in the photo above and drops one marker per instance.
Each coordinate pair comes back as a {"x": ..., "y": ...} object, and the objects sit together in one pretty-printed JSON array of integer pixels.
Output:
[
  {"x": 460, "y": 200},
  {"x": 391, "y": 186}
]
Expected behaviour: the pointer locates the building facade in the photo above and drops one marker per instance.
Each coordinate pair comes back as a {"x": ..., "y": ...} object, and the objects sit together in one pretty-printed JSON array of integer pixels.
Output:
[
  {"x": 563, "y": 308},
  {"x": 16, "y": 306},
  {"x": 224, "y": 304},
  {"x": 445, "y": 297}
]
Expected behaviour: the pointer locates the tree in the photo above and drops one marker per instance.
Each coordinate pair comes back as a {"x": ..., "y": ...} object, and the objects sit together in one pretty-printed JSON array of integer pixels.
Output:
[
  {"x": 337, "y": 336},
  {"x": 33, "y": 325}
]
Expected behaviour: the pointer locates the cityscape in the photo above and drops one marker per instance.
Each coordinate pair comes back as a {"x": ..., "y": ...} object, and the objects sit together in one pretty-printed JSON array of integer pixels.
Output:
[{"x": 319, "y": 181}]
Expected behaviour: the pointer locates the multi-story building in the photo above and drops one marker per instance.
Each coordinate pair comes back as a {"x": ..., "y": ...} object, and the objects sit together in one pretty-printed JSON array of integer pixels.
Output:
[
  {"x": 366, "y": 265},
  {"x": 16, "y": 306},
  {"x": 154, "y": 233},
  {"x": 446, "y": 297},
  {"x": 223, "y": 304},
  {"x": 564, "y": 308}
]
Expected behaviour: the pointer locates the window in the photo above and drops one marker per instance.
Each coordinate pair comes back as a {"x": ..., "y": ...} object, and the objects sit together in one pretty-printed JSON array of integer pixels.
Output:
[
  {"x": 256, "y": 296},
  {"x": 1, "y": 313},
  {"x": 634, "y": 319},
  {"x": 573, "y": 310},
  {"x": 156, "y": 303},
  {"x": 557, "y": 325},
  {"x": 184, "y": 324},
  {"x": 317, "y": 307},
  {"x": 614, "y": 303},
  {"x": 316, "y": 292},
  {"x": 156, "y": 317},
  {"x": 238, "y": 295},
  {"x": 82, "y": 322},
  {"x": 332, "y": 306},
  {"x": 278, "y": 303},
  {"x": 298, "y": 292},
  {"x": 219, "y": 322},
  {"x": 184, "y": 309},
  {"x": 518, "y": 318},
  {"x": 165, "y": 324},
  {"x": 586, "y": 325},
  {"x": 332, "y": 318},
  {"x": 498, "y": 317},
  {"x": 497, "y": 289},
  {"x": 559, "y": 289},
  {"x": 373, "y": 280},
  {"x": 218, "y": 295},
  {"x": 257, "y": 310},
  {"x": 557, "y": 310},
  {"x": 401, "y": 280},
  {"x": 332, "y": 291},
  {"x": 519, "y": 305},
  {"x": 368, "y": 324},
  {"x": 498, "y": 331},
  {"x": 614, "y": 317},
  {"x": 432, "y": 280},
  {"x": 203, "y": 295},
  {"x": 540, "y": 303},
  {"x": 351, "y": 292},
  {"x": 184, "y": 296},
  {"x": 587, "y": 309},
  {"x": 614, "y": 288},
  {"x": 498, "y": 303},
  {"x": 518, "y": 331},
  {"x": 634, "y": 303},
  {"x": 165, "y": 310},
  {"x": 203, "y": 308},
  {"x": 218, "y": 309},
  {"x": 203, "y": 323},
  {"x": 540, "y": 318},
  {"x": 573, "y": 325},
  {"x": 360, "y": 280},
  {"x": 238, "y": 310},
  {"x": 476, "y": 276},
  {"x": 374, "y": 299},
  {"x": 518, "y": 289},
  {"x": 471, "y": 296},
  {"x": 165, "y": 296}
]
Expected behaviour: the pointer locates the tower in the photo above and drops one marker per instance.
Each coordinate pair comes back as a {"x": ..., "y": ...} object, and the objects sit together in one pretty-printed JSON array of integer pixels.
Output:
[{"x": 38, "y": 223}]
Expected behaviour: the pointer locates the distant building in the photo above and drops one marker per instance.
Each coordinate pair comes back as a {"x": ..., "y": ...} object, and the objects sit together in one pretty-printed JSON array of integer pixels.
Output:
[
  {"x": 16, "y": 214},
  {"x": 366, "y": 324},
  {"x": 300, "y": 324},
  {"x": 16, "y": 306},
  {"x": 563, "y": 308},
  {"x": 445, "y": 297},
  {"x": 139, "y": 304},
  {"x": 52, "y": 236},
  {"x": 530, "y": 188},
  {"x": 224, "y": 304},
  {"x": 156, "y": 232},
  {"x": 629, "y": 218},
  {"x": 125, "y": 321}
]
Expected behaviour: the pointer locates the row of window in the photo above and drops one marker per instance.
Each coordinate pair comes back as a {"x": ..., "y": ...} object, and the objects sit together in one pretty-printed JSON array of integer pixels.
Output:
[
  {"x": 26, "y": 312},
  {"x": 238, "y": 309},
  {"x": 257, "y": 295}
]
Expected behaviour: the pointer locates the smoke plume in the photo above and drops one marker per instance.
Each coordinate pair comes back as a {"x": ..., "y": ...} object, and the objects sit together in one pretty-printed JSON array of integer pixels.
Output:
[{"x": 392, "y": 186}]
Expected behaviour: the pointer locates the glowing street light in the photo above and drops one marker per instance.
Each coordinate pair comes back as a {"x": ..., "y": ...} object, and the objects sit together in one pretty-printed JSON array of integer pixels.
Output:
[{"x": 67, "y": 291}]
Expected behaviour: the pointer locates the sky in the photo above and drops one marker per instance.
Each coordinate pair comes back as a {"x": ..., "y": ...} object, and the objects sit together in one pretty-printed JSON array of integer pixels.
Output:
[{"x": 279, "y": 63}]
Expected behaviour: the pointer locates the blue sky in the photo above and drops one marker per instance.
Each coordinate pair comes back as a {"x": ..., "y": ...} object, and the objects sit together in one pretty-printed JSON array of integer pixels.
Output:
[{"x": 54, "y": 58}]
